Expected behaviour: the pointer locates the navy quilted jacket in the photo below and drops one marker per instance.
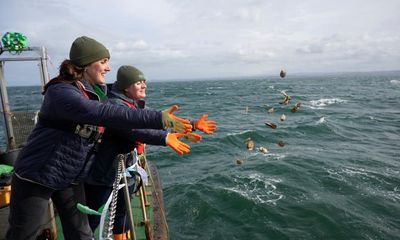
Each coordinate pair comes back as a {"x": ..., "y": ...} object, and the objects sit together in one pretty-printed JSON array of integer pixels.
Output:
[
  {"x": 117, "y": 141},
  {"x": 54, "y": 157}
]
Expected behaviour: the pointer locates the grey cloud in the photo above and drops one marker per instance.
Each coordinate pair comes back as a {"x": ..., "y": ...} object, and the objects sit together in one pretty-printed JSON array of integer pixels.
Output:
[
  {"x": 177, "y": 38},
  {"x": 311, "y": 48}
]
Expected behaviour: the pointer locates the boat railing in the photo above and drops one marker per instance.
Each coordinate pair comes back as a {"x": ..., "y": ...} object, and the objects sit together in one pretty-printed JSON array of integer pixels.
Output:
[
  {"x": 23, "y": 124},
  {"x": 19, "y": 124}
]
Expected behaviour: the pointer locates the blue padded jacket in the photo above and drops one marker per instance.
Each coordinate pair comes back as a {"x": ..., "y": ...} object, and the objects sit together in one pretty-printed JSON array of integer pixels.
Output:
[
  {"x": 117, "y": 141},
  {"x": 54, "y": 157}
]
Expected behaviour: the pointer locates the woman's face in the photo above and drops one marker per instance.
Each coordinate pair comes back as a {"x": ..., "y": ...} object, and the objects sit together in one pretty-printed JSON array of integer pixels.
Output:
[
  {"x": 136, "y": 91},
  {"x": 96, "y": 71}
]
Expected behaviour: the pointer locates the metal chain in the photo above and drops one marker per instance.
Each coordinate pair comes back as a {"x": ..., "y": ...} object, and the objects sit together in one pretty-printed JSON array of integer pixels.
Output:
[{"x": 113, "y": 205}]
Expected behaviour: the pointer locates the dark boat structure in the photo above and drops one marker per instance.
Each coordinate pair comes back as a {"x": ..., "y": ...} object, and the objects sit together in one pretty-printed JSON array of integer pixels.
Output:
[{"x": 146, "y": 205}]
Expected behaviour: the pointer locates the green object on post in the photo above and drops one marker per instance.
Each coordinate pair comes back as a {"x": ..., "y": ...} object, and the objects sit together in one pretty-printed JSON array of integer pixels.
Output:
[{"x": 14, "y": 42}]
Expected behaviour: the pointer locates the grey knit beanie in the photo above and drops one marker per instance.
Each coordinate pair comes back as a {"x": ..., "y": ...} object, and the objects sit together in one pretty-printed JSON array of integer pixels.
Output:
[
  {"x": 85, "y": 50},
  {"x": 126, "y": 76}
]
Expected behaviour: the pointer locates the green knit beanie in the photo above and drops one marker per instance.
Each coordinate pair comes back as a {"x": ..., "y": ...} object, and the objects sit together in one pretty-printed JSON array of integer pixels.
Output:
[
  {"x": 128, "y": 75},
  {"x": 85, "y": 50}
]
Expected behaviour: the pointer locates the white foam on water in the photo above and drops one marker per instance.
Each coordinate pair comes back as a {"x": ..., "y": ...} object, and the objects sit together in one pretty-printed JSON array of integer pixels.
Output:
[
  {"x": 257, "y": 188},
  {"x": 345, "y": 174},
  {"x": 352, "y": 172},
  {"x": 333, "y": 173},
  {"x": 275, "y": 156},
  {"x": 238, "y": 133},
  {"x": 217, "y": 87},
  {"x": 395, "y": 82},
  {"x": 321, "y": 120},
  {"x": 379, "y": 187},
  {"x": 393, "y": 195},
  {"x": 323, "y": 102}
]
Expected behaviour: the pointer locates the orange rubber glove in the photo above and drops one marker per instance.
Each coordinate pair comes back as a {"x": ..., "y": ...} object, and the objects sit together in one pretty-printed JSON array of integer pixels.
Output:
[
  {"x": 193, "y": 137},
  {"x": 173, "y": 142},
  {"x": 176, "y": 123},
  {"x": 205, "y": 126}
]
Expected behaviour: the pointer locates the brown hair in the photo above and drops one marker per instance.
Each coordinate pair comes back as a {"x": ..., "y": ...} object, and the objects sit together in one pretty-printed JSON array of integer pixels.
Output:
[{"x": 68, "y": 73}]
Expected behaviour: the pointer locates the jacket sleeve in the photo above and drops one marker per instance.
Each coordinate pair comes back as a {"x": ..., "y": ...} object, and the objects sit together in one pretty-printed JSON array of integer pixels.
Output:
[
  {"x": 148, "y": 136},
  {"x": 65, "y": 102}
]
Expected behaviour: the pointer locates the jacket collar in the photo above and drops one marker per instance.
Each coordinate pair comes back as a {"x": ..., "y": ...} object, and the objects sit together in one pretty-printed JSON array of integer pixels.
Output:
[
  {"x": 86, "y": 85},
  {"x": 117, "y": 93},
  {"x": 140, "y": 103},
  {"x": 89, "y": 88},
  {"x": 103, "y": 87}
]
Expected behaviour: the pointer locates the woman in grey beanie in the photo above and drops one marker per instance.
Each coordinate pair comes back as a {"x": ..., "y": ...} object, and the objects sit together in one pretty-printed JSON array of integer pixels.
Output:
[{"x": 53, "y": 161}]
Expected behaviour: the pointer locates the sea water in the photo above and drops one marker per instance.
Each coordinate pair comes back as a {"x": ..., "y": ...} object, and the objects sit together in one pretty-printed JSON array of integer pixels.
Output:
[{"x": 336, "y": 177}]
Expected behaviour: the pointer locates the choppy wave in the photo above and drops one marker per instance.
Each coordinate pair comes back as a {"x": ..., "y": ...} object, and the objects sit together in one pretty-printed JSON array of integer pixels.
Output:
[
  {"x": 323, "y": 102},
  {"x": 239, "y": 133},
  {"x": 366, "y": 181},
  {"x": 274, "y": 156},
  {"x": 395, "y": 82},
  {"x": 257, "y": 188},
  {"x": 321, "y": 120}
]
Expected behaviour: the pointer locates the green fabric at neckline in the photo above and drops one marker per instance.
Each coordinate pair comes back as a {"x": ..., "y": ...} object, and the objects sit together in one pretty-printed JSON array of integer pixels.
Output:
[{"x": 97, "y": 89}]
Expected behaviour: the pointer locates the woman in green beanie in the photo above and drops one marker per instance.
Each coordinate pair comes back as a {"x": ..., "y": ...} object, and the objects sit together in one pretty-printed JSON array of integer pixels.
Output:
[
  {"x": 53, "y": 161},
  {"x": 129, "y": 90}
]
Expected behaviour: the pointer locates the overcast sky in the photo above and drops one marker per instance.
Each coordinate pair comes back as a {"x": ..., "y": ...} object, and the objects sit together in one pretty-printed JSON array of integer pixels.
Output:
[{"x": 177, "y": 39}]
